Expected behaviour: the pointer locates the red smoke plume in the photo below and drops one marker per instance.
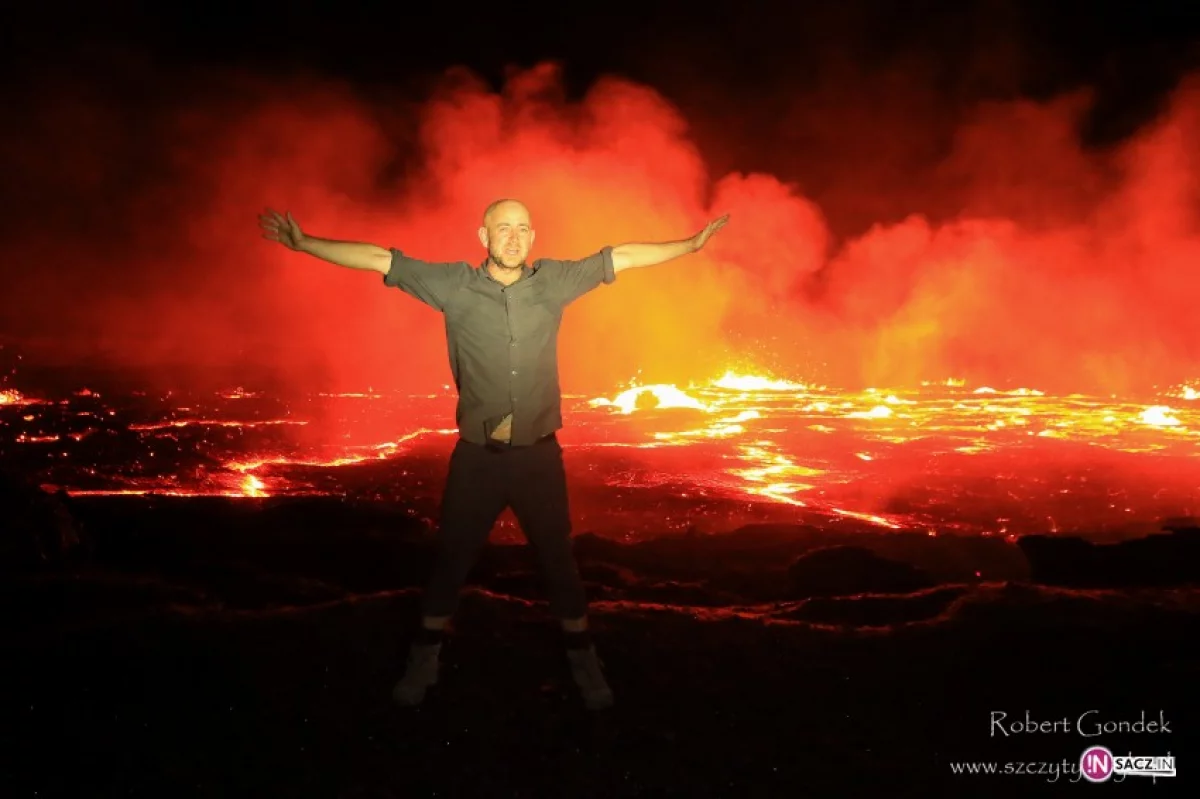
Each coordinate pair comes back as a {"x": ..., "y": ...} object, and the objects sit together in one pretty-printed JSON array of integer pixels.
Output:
[{"x": 1023, "y": 259}]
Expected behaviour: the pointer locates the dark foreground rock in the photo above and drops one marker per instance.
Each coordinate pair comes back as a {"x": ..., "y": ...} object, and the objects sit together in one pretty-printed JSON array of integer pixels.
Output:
[
  {"x": 1167, "y": 559},
  {"x": 845, "y": 570},
  {"x": 187, "y": 700},
  {"x": 39, "y": 529},
  {"x": 221, "y": 650}
]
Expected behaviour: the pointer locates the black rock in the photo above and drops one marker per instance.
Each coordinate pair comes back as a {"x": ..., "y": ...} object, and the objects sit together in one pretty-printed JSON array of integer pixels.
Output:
[
  {"x": 39, "y": 528},
  {"x": 848, "y": 570},
  {"x": 1165, "y": 559}
]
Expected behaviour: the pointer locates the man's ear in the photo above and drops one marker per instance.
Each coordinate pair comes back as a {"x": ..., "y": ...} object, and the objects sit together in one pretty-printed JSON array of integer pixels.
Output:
[
  {"x": 532, "y": 236},
  {"x": 483, "y": 237}
]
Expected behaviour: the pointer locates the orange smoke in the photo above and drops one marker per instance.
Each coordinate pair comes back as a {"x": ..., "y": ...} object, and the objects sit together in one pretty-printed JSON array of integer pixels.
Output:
[{"x": 1059, "y": 267}]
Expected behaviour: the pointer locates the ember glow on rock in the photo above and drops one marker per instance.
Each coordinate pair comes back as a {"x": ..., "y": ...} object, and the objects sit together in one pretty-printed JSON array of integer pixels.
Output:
[{"x": 652, "y": 459}]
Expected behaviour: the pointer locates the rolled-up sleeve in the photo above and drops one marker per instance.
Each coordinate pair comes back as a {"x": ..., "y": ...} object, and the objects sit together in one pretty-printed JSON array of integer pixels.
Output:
[
  {"x": 570, "y": 280},
  {"x": 431, "y": 283}
]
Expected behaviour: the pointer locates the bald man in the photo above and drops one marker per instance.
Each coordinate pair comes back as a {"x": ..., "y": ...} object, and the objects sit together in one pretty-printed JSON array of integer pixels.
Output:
[{"x": 502, "y": 319}]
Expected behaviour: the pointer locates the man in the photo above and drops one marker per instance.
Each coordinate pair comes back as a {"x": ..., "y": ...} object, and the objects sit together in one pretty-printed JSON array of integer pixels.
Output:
[{"x": 502, "y": 322}]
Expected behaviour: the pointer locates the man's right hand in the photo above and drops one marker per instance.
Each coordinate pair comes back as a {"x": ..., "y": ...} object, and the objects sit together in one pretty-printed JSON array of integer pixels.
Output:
[
  {"x": 281, "y": 228},
  {"x": 351, "y": 254}
]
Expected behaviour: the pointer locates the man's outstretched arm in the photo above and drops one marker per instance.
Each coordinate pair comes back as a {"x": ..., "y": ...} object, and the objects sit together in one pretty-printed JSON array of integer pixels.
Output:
[
  {"x": 351, "y": 254},
  {"x": 635, "y": 254},
  {"x": 432, "y": 284}
]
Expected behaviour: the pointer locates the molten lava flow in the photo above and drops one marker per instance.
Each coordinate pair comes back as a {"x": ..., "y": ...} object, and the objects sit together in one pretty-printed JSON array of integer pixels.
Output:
[
  {"x": 378, "y": 452},
  {"x": 941, "y": 457},
  {"x": 210, "y": 423},
  {"x": 752, "y": 383},
  {"x": 755, "y": 413},
  {"x": 659, "y": 396},
  {"x": 1159, "y": 416},
  {"x": 12, "y": 397},
  {"x": 253, "y": 487},
  {"x": 766, "y": 472}
]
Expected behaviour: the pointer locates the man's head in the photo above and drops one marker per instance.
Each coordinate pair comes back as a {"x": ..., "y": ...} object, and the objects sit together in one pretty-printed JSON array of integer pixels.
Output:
[{"x": 507, "y": 233}]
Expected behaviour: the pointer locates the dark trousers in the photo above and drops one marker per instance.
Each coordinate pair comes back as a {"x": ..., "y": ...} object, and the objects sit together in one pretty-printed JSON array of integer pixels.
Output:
[{"x": 482, "y": 483}]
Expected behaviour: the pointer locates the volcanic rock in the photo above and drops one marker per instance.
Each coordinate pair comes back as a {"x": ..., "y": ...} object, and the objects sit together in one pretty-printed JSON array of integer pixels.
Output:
[
  {"x": 848, "y": 570},
  {"x": 1165, "y": 559},
  {"x": 39, "y": 528}
]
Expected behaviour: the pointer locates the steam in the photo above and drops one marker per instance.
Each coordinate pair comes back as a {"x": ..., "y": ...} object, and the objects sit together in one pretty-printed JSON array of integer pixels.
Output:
[{"x": 1018, "y": 256}]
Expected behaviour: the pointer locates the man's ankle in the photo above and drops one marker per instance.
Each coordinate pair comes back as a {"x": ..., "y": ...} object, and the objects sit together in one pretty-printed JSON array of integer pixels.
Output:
[{"x": 430, "y": 632}]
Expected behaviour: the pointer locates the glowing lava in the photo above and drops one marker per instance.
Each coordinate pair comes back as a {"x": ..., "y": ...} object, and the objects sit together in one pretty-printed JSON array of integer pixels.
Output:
[
  {"x": 757, "y": 412},
  {"x": 10, "y": 396},
  {"x": 942, "y": 457},
  {"x": 658, "y": 396}
]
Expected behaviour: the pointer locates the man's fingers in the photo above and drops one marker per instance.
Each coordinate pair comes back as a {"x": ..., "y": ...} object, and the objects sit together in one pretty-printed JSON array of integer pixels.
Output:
[
  {"x": 277, "y": 218},
  {"x": 716, "y": 224},
  {"x": 271, "y": 220},
  {"x": 276, "y": 227},
  {"x": 713, "y": 226}
]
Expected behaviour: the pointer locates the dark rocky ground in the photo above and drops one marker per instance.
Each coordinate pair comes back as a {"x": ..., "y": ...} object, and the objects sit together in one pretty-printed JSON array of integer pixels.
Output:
[{"x": 202, "y": 648}]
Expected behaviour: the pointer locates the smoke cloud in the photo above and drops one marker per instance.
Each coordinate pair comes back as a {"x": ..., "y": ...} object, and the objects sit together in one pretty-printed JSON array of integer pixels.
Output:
[{"x": 1017, "y": 256}]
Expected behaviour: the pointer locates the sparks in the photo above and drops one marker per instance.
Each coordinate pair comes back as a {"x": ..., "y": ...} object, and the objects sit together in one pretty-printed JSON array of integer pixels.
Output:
[{"x": 736, "y": 382}]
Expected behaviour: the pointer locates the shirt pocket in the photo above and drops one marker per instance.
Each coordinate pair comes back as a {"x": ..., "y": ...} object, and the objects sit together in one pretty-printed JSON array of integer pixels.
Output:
[{"x": 540, "y": 309}]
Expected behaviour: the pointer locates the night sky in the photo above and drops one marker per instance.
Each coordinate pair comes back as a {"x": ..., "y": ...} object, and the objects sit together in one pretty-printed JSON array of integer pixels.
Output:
[{"x": 996, "y": 191}]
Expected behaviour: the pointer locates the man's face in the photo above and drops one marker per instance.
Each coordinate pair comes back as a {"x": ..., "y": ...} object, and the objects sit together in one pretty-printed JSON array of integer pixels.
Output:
[{"x": 508, "y": 235}]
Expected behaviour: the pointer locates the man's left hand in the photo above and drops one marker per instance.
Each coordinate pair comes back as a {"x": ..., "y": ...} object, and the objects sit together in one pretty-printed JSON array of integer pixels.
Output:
[{"x": 701, "y": 238}]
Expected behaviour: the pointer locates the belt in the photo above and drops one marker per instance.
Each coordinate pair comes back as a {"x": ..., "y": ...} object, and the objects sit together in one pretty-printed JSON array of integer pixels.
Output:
[{"x": 504, "y": 446}]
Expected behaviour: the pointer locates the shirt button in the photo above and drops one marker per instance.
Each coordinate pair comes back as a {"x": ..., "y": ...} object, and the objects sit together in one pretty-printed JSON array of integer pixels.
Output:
[{"x": 514, "y": 371}]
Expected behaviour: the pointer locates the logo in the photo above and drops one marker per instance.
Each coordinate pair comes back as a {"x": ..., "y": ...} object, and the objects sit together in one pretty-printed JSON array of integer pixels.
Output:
[{"x": 1098, "y": 764}]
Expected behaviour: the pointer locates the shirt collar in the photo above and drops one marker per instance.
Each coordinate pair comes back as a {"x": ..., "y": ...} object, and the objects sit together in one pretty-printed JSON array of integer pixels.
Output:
[{"x": 526, "y": 271}]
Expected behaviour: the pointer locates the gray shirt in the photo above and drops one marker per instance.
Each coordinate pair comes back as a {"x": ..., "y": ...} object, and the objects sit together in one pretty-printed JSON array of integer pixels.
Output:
[{"x": 503, "y": 340}]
